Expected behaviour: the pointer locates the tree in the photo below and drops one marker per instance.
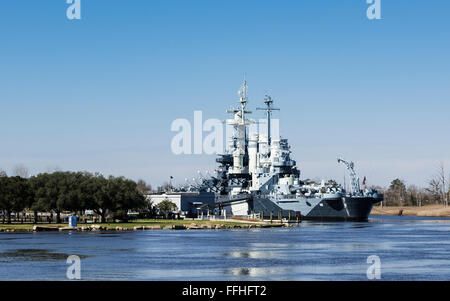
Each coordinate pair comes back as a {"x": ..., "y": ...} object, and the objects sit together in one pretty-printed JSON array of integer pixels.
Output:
[
  {"x": 54, "y": 191},
  {"x": 71, "y": 196},
  {"x": 37, "y": 185},
  {"x": 166, "y": 186},
  {"x": 112, "y": 195},
  {"x": 396, "y": 193},
  {"x": 14, "y": 195},
  {"x": 21, "y": 171},
  {"x": 166, "y": 207},
  {"x": 127, "y": 196},
  {"x": 102, "y": 199},
  {"x": 413, "y": 196},
  {"x": 49, "y": 192},
  {"x": 149, "y": 210},
  {"x": 434, "y": 189},
  {"x": 70, "y": 191},
  {"x": 443, "y": 183},
  {"x": 143, "y": 187}
]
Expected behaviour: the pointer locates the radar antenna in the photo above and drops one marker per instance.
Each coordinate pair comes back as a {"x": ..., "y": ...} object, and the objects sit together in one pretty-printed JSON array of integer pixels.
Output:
[
  {"x": 268, "y": 101},
  {"x": 243, "y": 93},
  {"x": 353, "y": 176},
  {"x": 243, "y": 101}
]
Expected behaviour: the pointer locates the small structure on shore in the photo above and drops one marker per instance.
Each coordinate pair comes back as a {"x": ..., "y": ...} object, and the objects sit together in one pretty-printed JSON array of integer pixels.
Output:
[{"x": 189, "y": 204}]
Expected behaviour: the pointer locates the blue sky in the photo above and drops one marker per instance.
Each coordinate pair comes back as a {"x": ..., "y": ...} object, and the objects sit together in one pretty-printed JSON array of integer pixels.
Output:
[{"x": 100, "y": 93}]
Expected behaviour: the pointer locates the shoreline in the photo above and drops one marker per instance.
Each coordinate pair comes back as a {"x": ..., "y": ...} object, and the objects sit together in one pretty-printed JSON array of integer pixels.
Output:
[
  {"x": 423, "y": 211},
  {"x": 146, "y": 225}
]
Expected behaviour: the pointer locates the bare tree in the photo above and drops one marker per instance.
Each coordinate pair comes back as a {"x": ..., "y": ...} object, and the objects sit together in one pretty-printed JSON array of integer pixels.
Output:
[
  {"x": 413, "y": 195},
  {"x": 143, "y": 187},
  {"x": 434, "y": 188},
  {"x": 448, "y": 189},
  {"x": 21, "y": 171},
  {"x": 3, "y": 173},
  {"x": 167, "y": 187},
  {"x": 443, "y": 183}
]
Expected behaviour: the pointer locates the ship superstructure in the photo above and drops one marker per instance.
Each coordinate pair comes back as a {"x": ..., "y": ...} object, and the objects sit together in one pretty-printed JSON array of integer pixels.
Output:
[{"x": 258, "y": 175}]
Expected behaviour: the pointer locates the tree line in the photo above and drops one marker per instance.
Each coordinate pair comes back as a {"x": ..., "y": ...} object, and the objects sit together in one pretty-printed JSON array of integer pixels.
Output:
[
  {"x": 437, "y": 191},
  {"x": 70, "y": 191}
]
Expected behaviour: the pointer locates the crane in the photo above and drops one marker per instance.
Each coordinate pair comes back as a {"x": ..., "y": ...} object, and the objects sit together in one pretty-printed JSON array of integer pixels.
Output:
[{"x": 356, "y": 189}]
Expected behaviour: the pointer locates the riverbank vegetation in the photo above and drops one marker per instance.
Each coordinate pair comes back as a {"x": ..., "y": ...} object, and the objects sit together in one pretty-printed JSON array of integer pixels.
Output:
[
  {"x": 437, "y": 191},
  {"x": 423, "y": 211},
  {"x": 69, "y": 191},
  {"x": 144, "y": 224},
  {"x": 400, "y": 194}
]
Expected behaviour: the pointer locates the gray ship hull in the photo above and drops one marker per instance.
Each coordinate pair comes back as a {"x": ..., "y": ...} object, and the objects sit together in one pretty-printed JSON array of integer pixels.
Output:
[{"x": 339, "y": 209}]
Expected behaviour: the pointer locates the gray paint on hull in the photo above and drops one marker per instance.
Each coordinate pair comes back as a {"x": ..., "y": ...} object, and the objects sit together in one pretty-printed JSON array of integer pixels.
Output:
[{"x": 348, "y": 208}]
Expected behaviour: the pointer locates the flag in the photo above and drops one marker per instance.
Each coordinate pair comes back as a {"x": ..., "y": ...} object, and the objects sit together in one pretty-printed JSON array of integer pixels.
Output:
[
  {"x": 171, "y": 177},
  {"x": 364, "y": 181}
]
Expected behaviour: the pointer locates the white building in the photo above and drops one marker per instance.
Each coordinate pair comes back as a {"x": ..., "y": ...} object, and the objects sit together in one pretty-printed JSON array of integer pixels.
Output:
[{"x": 188, "y": 203}]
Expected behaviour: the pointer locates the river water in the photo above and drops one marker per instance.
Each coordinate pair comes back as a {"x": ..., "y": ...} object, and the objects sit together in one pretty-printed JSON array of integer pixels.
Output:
[{"x": 409, "y": 248}]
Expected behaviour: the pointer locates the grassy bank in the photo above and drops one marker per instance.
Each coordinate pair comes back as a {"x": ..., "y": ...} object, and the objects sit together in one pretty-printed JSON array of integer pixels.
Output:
[
  {"x": 146, "y": 224},
  {"x": 426, "y": 211}
]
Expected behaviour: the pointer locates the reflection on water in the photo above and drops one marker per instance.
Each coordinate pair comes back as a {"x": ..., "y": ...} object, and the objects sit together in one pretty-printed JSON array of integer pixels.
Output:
[
  {"x": 409, "y": 249},
  {"x": 22, "y": 255},
  {"x": 108, "y": 235},
  {"x": 360, "y": 225},
  {"x": 259, "y": 272},
  {"x": 253, "y": 254}
]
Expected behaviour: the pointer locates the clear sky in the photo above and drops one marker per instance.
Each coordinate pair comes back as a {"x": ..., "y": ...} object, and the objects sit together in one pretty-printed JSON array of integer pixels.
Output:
[{"x": 100, "y": 93}]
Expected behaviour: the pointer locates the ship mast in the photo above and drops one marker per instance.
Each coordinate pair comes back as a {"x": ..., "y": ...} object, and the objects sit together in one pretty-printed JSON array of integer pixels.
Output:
[
  {"x": 268, "y": 101},
  {"x": 240, "y": 123},
  {"x": 243, "y": 96}
]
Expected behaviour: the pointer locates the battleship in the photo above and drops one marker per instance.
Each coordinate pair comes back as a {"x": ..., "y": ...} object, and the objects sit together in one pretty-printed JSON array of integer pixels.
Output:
[{"x": 257, "y": 177}]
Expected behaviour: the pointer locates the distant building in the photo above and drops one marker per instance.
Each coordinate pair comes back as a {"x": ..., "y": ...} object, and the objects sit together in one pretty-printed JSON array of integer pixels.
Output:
[{"x": 190, "y": 204}]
